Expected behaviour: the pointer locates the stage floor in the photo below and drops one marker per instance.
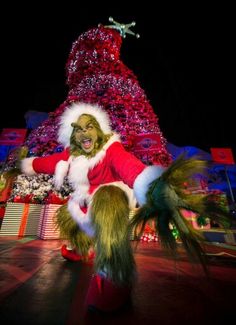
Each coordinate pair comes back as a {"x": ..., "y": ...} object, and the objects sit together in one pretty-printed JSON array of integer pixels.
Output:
[{"x": 37, "y": 286}]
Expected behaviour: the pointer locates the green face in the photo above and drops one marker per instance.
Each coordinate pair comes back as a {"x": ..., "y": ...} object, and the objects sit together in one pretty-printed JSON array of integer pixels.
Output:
[{"x": 86, "y": 134}]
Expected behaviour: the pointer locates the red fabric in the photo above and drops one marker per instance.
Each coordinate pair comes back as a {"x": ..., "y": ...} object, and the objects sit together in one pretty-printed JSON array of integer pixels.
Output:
[
  {"x": 117, "y": 165},
  {"x": 52, "y": 198},
  {"x": 2, "y": 211},
  {"x": 105, "y": 296},
  {"x": 47, "y": 164},
  {"x": 24, "y": 199}
]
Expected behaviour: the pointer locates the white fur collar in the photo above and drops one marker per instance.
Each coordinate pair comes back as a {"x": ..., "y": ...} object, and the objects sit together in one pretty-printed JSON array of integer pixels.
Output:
[
  {"x": 80, "y": 166},
  {"x": 72, "y": 113}
]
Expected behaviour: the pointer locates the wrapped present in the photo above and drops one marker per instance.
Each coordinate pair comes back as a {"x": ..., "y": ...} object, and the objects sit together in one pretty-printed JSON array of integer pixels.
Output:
[
  {"x": 47, "y": 228},
  {"x": 148, "y": 237},
  {"x": 21, "y": 219},
  {"x": 219, "y": 235},
  {"x": 149, "y": 233},
  {"x": 29, "y": 198},
  {"x": 195, "y": 220},
  {"x": 53, "y": 198},
  {"x": 132, "y": 235}
]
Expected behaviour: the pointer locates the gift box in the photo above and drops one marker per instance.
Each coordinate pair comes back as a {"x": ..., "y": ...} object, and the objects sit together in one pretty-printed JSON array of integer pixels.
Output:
[
  {"x": 219, "y": 235},
  {"x": 149, "y": 233},
  {"x": 193, "y": 220},
  {"x": 148, "y": 237},
  {"x": 21, "y": 219},
  {"x": 47, "y": 227},
  {"x": 132, "y": 232}
]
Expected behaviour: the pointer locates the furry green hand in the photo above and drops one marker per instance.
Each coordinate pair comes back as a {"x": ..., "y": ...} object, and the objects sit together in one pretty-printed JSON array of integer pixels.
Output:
[{"x": 167, "y": 197}]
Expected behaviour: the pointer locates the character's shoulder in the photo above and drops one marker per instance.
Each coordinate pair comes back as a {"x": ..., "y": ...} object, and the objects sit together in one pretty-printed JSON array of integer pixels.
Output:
[
  {"x": 116, "y": 148},
  {"x": 114, "y": 140}
]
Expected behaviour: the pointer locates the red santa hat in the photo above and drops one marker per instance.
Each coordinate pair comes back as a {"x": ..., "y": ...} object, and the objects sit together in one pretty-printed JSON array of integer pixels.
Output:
[{"x": 72, "y": 114}]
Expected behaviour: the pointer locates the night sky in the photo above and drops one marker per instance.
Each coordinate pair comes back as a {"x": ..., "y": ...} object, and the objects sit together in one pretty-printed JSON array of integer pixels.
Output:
[{"x": 184, "y": 61}]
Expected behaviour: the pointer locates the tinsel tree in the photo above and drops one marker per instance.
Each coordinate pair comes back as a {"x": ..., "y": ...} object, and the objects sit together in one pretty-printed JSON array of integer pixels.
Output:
[{"x": 96, "y": 74}]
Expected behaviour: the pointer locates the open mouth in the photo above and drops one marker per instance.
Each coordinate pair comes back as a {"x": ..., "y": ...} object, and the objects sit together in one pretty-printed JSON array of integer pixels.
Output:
[{"x": 87, "y": 143}]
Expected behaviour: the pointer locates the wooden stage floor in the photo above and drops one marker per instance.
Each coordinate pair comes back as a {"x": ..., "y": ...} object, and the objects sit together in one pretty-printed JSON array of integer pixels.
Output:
[{"x": 37, "y": 286}]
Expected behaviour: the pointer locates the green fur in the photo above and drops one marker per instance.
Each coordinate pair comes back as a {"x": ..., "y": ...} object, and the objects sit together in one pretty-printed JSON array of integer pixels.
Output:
[
  {"x": 167, "y": 197},
  {"x": 182, "y": 169},
  {"x": 114, "y": 255},
  {"x": 75, "y": 148},
  {"x": 70, "y": 230}
]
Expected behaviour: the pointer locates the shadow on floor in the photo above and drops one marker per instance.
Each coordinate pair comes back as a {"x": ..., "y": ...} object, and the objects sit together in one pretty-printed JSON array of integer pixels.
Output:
[{"x": 37, "y": 286}]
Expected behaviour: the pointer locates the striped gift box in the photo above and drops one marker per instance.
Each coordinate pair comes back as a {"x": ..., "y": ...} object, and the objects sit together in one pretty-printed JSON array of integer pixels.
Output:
[
  {"x": 131, "y": 215},
  {"x": 21, "y": 219},
  {"x": 47, "y": 227}
]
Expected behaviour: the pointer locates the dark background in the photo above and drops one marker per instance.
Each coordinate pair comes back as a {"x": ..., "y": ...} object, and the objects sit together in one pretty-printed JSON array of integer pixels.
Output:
[{"x": 184, "y": 60}]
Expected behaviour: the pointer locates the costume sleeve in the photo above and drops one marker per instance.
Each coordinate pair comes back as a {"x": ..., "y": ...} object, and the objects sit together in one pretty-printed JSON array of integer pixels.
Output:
[
  {"x": 124, "y": 164},
  {"x": 45, "y": 165},
  {"x": 133, "y": 171}
]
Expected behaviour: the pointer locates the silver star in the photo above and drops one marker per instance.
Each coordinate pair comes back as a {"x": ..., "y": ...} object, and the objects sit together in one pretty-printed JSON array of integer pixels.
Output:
[{"x": 122, "y": 28}]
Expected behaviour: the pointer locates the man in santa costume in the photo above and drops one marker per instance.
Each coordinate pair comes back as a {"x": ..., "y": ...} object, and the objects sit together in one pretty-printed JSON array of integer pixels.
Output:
[{"x": 107, "y": 182}]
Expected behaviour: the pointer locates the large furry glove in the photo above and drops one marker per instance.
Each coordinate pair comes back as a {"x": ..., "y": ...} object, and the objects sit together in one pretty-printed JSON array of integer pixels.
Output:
[
  {"x": 167, "y": 197},
  {"x": 7, "y": 177}
]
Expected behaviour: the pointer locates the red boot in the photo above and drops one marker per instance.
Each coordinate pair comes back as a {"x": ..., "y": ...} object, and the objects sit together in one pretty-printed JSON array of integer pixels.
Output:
[
  {"x": 105, "y": 296},
  {"x": 70, "y": 255}
]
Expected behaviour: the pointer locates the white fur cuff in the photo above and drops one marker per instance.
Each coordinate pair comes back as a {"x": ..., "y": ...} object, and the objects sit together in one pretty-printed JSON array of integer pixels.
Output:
[
  {"x": 143, "y": 181},
  {"x": 82, "y": 219},
  {"x": 27, "y": 166},
  {"x": 60, "y": 173}
]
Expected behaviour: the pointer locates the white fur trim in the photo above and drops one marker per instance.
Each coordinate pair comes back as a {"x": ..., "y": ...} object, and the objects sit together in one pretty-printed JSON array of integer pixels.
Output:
[
  {"x": 27, "y": 166},
  {"x": 79, "y": 166},
  {"x": 82, "y": 219},
  {"x": 142, "y": 182},
  {"x": 81, "y": 195},
  {"x": 78, "y": 173},
  {"x": 61, "y": 171},
  {"x": 72, "y": 114}
]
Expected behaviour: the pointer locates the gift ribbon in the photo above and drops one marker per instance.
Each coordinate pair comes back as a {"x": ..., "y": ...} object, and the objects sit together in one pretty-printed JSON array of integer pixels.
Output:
[{"x": 24, "y": 220}]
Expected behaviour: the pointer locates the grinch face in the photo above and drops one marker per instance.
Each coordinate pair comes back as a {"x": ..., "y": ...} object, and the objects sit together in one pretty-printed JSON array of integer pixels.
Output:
[{"x": 86, "y": 134}]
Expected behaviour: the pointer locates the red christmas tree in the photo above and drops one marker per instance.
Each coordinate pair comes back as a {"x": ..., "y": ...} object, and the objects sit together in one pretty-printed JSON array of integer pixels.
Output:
[{"x": 95, "y": 74}]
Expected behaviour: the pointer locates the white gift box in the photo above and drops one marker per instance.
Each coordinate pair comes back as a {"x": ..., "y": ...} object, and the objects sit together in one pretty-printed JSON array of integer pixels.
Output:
[
  {"x": 21, "y": 219},
  {"x": 47, "y": 227}
]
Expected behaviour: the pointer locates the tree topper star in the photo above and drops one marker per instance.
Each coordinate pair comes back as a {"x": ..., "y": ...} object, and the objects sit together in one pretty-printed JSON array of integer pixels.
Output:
[{"x": 122, "y": 28}]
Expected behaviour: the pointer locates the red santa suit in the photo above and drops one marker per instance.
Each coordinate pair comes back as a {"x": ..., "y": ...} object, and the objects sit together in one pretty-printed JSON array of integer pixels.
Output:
[{"x": 111, "y": 165}]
